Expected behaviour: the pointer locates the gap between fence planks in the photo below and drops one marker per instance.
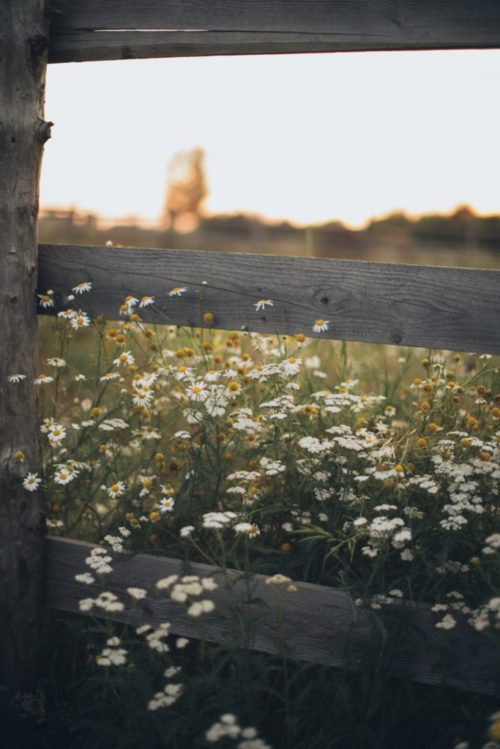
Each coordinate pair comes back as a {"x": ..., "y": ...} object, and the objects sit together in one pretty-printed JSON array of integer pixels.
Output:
[
  {"x": 408, "y": 305},
  {"x": 116, "y": 29},
  {"x": 319, "y": 624}
]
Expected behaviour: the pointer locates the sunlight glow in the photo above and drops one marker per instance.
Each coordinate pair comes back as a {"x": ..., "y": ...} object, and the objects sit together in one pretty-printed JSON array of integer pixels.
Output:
[{"x": 304, "y": 137}]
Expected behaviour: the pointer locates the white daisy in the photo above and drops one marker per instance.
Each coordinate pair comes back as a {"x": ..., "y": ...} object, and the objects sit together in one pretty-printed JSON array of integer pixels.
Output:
[
  {"x": 32, "y": 482},
  {"x": 109, "y": 376},
  {"x": 247, "y": 529},
  {"x": 56, "y": 433},
  {"x": 262, "y": 304},
  {"x": 43, "y": 380},
  {"x": 320, "y": 326},
  {"x": 125, "y": 358},
  {"x": 142, "y": 397},
  {"x": 64, "y": 476},
  {"x": 45, "y": 300},
  {"x": 116, "y": 490},
  {"x": 196, "y": 391},
  {"x": 80, "y": 320},
  {"x": 177, "y": 291},
  {"x": 81, "y": 287},
  {"x": 56, "y": 362},
  {"x": 166, "y": 504}
]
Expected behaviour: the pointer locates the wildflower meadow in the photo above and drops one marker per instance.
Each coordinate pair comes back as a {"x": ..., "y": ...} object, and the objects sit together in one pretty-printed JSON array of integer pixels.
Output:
[{"x": 371, "y": 470}]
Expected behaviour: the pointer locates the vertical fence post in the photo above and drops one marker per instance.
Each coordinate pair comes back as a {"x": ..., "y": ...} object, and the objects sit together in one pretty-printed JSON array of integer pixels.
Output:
[{"x": 23, "y": 60}]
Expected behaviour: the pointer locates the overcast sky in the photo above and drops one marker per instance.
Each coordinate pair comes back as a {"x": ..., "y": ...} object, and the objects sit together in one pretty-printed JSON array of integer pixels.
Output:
[{"x": 303, "y": 137}]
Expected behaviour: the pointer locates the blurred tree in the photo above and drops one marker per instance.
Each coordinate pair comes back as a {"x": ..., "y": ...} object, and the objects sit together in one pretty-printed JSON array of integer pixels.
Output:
[{"x": 186, "y": 189}]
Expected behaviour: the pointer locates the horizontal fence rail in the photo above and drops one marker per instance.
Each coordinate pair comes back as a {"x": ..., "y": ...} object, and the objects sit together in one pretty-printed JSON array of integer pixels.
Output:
[
  {"x": 319, "y": 624},
  {"x": 409, "y": 305},
  {"x": 117, "y": 29}
]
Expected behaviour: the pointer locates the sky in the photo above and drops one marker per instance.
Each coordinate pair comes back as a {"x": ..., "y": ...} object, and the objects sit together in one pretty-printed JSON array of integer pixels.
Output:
[{"x": 308, "y": 138}]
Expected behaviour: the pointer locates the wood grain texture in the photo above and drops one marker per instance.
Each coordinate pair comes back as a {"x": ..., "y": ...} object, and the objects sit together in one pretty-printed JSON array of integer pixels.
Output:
[
  {"x": 116, "y": 29},
  {"x": 409, "y": 305},
  {"x": 23, "y": 60},
  {"x": 320, "y": 625}
]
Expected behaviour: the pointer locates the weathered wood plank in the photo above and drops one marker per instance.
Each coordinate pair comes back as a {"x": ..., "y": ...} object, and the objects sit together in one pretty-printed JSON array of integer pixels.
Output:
[
  {"x": 23, "y": 60},
  {"x": 410, "y": 305},
  {"x": 81, "y": 31},
  {"x": 87, "y": 45},
  {"x": 321, "y": 624}
]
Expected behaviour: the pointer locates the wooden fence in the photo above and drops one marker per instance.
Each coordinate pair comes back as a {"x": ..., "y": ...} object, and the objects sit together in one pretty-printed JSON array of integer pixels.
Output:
[
  {"x": 405, "y": 305},
  {"x": 320, "y": 625},
  {"x": 409, "y": 305}
]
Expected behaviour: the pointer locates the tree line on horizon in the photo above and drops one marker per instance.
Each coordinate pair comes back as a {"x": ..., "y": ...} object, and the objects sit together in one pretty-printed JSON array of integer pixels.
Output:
[{"x": 185, "y": 222}]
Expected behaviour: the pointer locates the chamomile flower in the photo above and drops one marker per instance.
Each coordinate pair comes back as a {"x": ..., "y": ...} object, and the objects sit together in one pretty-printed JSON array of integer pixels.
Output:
[
  {"x": 64, "y": 476},
  {"x": 166, "y": 504},
  {"x": 15, "y": 378},
  {"x": 124, "y": 359},
  {"x": 128, "y": 305},
  {"x": 116, "y": 490},
  {"x": 80, "y": 288},
  {"x": 46, "y": 300},
  {"x": 67, "y": 314},
  {"x": 320, "y": 326},
  {"x": 196, "y": 391},
  {"x": 32, "y": 482},
  {"x": 247, "y": 529},
  {"x": 177, "y": 291},
  {"x": 56, "y": 433},
  {"x": 43, "y": 380},
  {"x": 147, "y": 484},
  {"x": 109, "y": 376},
  {"x": 142, "y": 397},
  {"x": 262, "y": 304},
  {"x": 80, "y": 320},
  {"x": 56, "y": 362},
  {"x": 146, "y": 301}
]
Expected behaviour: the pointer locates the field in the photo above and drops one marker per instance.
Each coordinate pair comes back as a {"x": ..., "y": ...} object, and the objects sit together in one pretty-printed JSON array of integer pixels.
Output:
[{"x": 371, "y": 469}]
